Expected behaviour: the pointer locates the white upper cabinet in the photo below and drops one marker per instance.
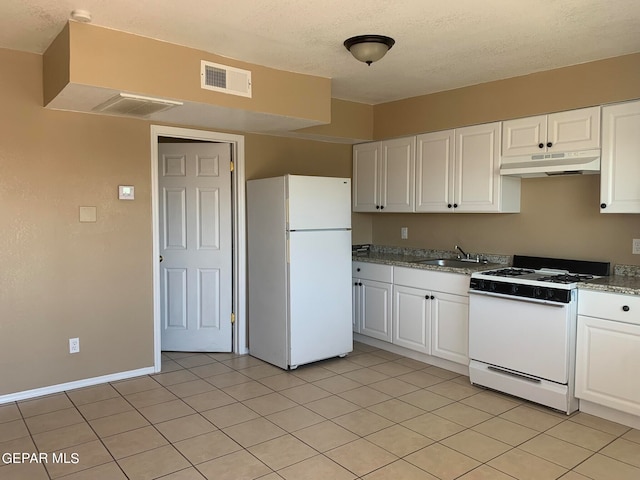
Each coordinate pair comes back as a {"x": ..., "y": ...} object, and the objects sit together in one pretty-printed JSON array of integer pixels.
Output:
[
  {"x": 620, "y": 162},
  {"x": 367, "y": 166},
  {"x": 459, "y": 171},
  {"x": 383, "y": 176},
  {"x": 558, "y": 132},
  {"x": 434, "y": 171}
]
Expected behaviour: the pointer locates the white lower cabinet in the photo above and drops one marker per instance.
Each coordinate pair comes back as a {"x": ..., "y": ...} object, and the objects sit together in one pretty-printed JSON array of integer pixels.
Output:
[
  {"x": 450, "y": 327},
  {"x": 608, "y": 350},
  {"x": 372, "y": 300},
  {"x": 375, "y": 309},
  {"x": 423, "y": 310},
  {"x": 431, "y": 313},
  {"x": 412, "y": 318}
]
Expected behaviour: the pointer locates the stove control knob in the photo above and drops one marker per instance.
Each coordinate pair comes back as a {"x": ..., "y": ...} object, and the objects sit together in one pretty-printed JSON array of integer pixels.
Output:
[
  {"x": 492, "y": 286},
  {"x": 549, "y": 293},
  {"x": 537, "y": 292},
  {"x": 514, "y": 289}
]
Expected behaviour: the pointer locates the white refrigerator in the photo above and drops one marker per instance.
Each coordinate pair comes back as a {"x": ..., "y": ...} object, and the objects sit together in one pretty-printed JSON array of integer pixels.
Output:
[{"x": 299, "y": 269}]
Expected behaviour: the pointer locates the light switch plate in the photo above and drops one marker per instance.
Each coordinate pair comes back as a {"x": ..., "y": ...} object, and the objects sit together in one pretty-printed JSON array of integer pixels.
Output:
[
  {"x": 88, "y": 214},
  {"x": 404, "y": 233},
  {"x": 635, "y": 250},
  {"x": 126, "y": 192}
]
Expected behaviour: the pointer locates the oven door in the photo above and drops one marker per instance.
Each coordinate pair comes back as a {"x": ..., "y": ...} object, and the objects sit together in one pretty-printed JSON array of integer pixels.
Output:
[{"x": 526, "y": 336}]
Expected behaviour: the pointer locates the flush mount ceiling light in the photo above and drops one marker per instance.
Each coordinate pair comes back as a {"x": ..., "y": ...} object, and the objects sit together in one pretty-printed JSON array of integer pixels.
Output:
[{"x": 369, "y": 48}]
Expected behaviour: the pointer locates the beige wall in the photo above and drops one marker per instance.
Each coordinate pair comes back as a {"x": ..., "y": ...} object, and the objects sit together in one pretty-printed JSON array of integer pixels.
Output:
[
  {"x": 269, "y": 156},
  {"x": 349, "y": 120},
  {"x": 560, "y": 216},
  {"x": 102, "y": 57},
  {"x": 62, "y": 278},
  {"x": 594, "y": 83}
]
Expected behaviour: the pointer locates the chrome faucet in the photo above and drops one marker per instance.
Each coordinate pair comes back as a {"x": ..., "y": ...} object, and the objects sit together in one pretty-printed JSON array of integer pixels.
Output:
[{"x": 465, "y": 254}]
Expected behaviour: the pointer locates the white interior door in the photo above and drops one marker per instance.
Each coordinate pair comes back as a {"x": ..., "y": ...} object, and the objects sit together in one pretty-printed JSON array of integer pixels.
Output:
[{"x": 194, "y": 181}]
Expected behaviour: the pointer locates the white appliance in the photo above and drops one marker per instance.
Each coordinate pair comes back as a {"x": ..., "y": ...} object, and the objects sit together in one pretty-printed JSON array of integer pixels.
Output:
[
  {"x": 522, "y": 328},
  {"x": 299, "y": 269},
  {"x": 551, "y": 164}
]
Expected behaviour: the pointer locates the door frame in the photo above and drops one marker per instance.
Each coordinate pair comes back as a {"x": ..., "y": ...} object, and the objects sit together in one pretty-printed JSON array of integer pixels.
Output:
[{"x": 239, "y": 236}]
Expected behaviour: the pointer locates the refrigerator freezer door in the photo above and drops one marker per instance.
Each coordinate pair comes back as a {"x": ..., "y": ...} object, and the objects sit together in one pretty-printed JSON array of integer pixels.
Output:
[
  {"x": 317, "y": 203},
  {"x": 320, "y": 295}
]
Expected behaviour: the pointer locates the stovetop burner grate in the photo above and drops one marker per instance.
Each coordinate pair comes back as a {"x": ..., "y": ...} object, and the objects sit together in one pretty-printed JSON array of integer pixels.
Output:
[
  {"x": 509, "y": 272},
  {"x": 565, "y": 278}
]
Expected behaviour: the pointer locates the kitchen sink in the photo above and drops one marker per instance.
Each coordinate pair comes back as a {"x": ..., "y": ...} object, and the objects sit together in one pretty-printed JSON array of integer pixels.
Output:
[{"x": 454, "y": 262}]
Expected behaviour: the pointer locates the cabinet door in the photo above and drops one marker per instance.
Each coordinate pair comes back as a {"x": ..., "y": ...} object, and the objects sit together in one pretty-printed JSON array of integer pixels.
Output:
[
  {"x": 367, "y": 165},
  {"x": 477, "y": 168},
  {"x": 412, "y": 318},
  {"x": 355, "y": 305},
  {"x": 524, "y": 136},
  {"x": 434, "y": 171},
  {"x": 607, "y": 359},
  {"x": 574, "y": 130},
  {"x": 450, "y": 327},
  {"x": 398, "y": 173},
  {"x": 620, "y": 167},
  {"x": 375, "y": 309}
]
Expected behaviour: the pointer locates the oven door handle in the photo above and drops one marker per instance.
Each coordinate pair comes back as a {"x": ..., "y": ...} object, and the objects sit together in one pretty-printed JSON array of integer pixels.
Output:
[{"x": 516, "y": 298}]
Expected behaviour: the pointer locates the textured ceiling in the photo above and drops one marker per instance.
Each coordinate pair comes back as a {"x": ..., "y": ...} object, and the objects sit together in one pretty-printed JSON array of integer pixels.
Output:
[{"x": 440, "y": 44}]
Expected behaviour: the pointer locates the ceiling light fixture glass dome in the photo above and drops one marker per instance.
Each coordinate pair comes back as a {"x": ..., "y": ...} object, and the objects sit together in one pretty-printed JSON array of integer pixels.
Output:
[{"x": 369, "y": 48}]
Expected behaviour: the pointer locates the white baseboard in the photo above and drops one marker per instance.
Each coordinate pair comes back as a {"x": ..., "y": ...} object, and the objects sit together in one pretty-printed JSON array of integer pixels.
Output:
[
  {"x": 87, "y": 382},
  {"x": 421, "y": 357},
  {"x": 610, "y": 414}
]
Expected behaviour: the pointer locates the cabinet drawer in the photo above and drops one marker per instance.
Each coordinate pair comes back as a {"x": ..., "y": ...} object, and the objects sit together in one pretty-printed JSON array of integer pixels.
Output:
[
  {"x": 455, "y": 283},
  {"x": 372, "y": 271},
  {"x": 611, "y": 306}
]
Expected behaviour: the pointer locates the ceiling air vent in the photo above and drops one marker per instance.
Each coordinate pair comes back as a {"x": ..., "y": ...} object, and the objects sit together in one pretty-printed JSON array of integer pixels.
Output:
[
  {"x": 225, "y": 79},
  {"x": 135, "y": 105}
]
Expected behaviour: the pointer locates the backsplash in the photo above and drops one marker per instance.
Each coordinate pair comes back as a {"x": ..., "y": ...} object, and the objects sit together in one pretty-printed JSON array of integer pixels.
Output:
[
  {"x": 627, "y": 270},
  {"x": 367, "y": 249}
]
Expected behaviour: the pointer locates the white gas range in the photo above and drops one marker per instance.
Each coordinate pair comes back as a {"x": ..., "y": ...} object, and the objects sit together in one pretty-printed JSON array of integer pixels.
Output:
[{"x": 522, "y": 328}]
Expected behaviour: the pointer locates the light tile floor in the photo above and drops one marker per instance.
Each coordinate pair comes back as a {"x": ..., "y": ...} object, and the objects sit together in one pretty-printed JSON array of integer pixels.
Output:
[{"x": 372, "y": 415}]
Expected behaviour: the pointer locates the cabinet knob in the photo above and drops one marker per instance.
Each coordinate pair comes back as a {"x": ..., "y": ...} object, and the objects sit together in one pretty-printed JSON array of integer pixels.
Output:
[
  {"x": 432, "y": 297},
  {"x": 603, "y": 205},
  {"x": 625, "y": 308},
  {"x": 358, "y": 269},
  {"x": 549, "y": 144},
  {"x": 360, "y": 284},
  {"x": 377, "y": 207},
  {"x": 455, "y": 205},
  {"x": 381, "y": 207},
  {"x": 356, "y": 284},
  {"x": 449, "y": 206},
  {"x": 541, "y": 145},
  {"x": 426, "y": 297}
]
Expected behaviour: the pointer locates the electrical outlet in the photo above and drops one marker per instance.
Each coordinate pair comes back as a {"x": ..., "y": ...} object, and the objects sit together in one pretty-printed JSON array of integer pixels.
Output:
[
  {"x": 74, "y": 345},
  {"x": 636, "y": 246},
  {"x": 404, "y": 233}
]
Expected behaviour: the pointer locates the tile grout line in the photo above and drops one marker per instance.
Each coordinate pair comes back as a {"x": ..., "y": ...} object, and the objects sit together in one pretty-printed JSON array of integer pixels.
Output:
[{"x": 335, "y": 374}]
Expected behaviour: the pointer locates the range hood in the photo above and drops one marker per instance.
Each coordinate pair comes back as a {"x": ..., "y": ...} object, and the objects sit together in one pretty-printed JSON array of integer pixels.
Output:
[{"x": 551, "y": 164}]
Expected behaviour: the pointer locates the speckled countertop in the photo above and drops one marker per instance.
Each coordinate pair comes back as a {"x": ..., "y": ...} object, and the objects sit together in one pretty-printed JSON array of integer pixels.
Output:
[
  {"x": 625, "y": 279},
  {"x": 407, "y": 257}
]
